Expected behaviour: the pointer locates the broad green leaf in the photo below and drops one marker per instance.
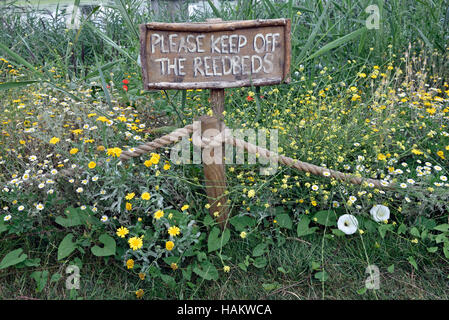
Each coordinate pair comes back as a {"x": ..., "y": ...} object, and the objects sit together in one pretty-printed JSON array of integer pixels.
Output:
[
  {"x": 446, "y": 251},
  {"x": 41, "y": 278},
  {"x": 259, "y": 250},
  {"x": 338, "y": 233},
  {"x": 442, "y": 227},
  {"x": 362, "y": 290},
  {"x": 414, "y": 232},
  {"x": 215, "y": 241},
  {"x": 169, "y": 280},
  {"x": 260, "y": 262},
  {"x": 383, "y": 228},
  {"x": 73, "y": 218},
  {"x": 271, "y": 286},
  {"x": 242, "y": 266},
  {"x": 66, "y": 247},
  {"x": 284, "y": 221},
  {"x": 55, "y": 277},
  {"x": 108, "y": 248},
  {"x": 13, "y": 258},
  {"x": 412, "y": 261},
  {"x": 240, "y": 223},
  {"x": 303, "y": 227},
  {"x": 206, "y": 270},
  {"x": 322, "y": 276},
  {"x": 326, "y": 218},
  {"x": 390, "y": 269},
  {"x": 432, "y": 249},
  {"x": 402, "y": 229}
]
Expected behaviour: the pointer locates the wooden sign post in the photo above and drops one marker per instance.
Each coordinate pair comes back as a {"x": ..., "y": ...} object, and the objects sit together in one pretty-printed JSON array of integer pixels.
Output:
[{"x": 215, "y": 55}]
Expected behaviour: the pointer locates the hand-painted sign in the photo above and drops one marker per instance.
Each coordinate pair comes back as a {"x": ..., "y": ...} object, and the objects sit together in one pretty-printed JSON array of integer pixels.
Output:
[{"x": 215, "y": 55}]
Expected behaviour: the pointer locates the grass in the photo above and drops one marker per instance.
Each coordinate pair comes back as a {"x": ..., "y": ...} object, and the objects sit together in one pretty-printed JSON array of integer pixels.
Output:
[{"x": 288, "y": 275}]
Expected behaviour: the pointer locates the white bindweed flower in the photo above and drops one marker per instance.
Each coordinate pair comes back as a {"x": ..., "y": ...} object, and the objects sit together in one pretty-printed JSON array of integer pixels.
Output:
[
  {"x": 380, "y": 213},
  {"x": 348, "y": 224}
]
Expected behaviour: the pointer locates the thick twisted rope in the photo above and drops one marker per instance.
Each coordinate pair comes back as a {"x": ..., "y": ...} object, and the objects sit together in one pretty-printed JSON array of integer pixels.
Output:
[
  {"x": 158, "y": 143},
  {"x": 224, "y": 137}
]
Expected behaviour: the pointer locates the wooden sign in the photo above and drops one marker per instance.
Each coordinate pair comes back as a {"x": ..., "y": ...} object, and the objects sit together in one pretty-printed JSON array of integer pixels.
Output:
[{"x": 216, "y": 55}]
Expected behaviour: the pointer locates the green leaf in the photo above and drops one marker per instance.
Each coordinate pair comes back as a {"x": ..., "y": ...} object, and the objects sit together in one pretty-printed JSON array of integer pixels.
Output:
[
  {"x": 208, "y": 221},
  {"x": 76, "y": 217},
  {"x": 284, "y": 221},
  {"x": 72, "y": 220},
  {"x": 31, "y": 262},
  {"x": 446, "y": 251},
  {"x": 170, "y": 281},
  {"x": 11, "y": 85},
  {"x": 303, "y": 227},
  {"x": 322, "y": 276},
  {"x": 66, "y": 247},
  {"x": 271, "y": 286},
  {"x": 390, "y": 269},
  {"x": 326, "y": 218},
  {"x": 17, "y": 58},
  {"x": 13, "y": 258},
  {"x": 414, "y": 232},
  {"x": 338, "y": 233},
  {"x": 362, "y": 290},
  {"x": 259, "y": 250},
  {"x": 315, "y": 265},
  {"x": 3, "y": 228},
  {"x": 442, "y": 227},
  {"x": 260, "y": 262},
  {"x": 214, "y": 9},
  {"x": 206, "y": 270},
  {"x": 402, "y": 229},
  {"x": 108, "y": 249},
  {"x": 281, "y": 269},
  {"x": 240, "y": 223},
  {"x": 383, "y": 228},
  {"x": 242, "y": 266},
  {"x": 41, "y": 278},
  {"x": 412, "y": 261},
  {"x": 215, "y": 242},
  {"x": 432, "y": 249},
  {"x": 55, "y": 277},
  {"x": 337, "y": 43}
]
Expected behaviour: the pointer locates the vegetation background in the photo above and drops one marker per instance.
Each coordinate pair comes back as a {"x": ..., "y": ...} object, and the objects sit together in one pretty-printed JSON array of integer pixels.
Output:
[{"x": 372, "y": 102}]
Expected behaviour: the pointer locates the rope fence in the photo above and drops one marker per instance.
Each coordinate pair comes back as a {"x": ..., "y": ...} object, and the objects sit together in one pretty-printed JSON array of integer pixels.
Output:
[{"x": 221, "y": 138}]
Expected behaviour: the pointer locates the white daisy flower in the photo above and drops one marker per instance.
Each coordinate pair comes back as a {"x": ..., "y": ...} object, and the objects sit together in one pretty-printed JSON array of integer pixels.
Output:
[
  {"x": 7, "y": 218},
  {"x": 20, "y": 208},
  {"x": 104, "y": 218},
  {"x": 39, "y": 206},
  {"x": 79, "y": 190}
]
